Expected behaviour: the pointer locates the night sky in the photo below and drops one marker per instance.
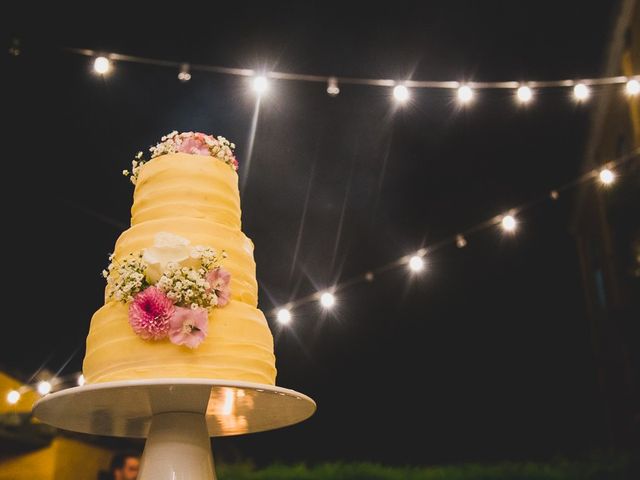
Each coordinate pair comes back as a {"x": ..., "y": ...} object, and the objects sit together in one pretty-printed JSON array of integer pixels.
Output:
[{"x": 486, "y": 356}]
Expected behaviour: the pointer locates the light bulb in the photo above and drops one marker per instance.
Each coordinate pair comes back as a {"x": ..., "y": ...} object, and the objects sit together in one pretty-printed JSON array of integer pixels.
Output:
[
  {"x": 401, "y": 93},
  {"x": 327, "y": 300},
  {"x": 465, "y": 94},
  {"x": 13, "y": 396},
  {"x": 332, "y": 87},
  {"x": 581, "y": 92},
  {"x": 524, "y": 94},
  {"x": 607, "y": 177},
  {"x": 632, "y": 87},
  {"x": 44, "y": 388},
  {"x": 416, "y": 263},
  {"x": 102, "y": 65},
  {"x": 184, "y": 75},
  {"x": 284, "y": 316},
  {"x": 509, "y": 223},
  {"x": 461, "y": 242},
  {"x": 260, "y": 84}
]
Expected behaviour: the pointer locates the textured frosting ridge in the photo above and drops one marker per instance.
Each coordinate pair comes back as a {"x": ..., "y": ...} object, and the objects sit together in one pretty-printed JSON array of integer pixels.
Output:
[{"x": 195, "y": 197}]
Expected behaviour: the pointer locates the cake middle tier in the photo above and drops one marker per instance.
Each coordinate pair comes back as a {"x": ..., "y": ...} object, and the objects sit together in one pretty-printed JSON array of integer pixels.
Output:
[{"x": 237, "y": 245}]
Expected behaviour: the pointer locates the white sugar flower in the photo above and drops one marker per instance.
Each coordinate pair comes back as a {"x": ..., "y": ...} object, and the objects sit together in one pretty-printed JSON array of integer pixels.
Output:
[{"x": 167, "y": 248}]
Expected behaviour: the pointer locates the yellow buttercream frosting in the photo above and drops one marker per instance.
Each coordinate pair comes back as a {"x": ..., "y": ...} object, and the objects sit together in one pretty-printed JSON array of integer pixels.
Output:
[{"x": 195, "y": 197}]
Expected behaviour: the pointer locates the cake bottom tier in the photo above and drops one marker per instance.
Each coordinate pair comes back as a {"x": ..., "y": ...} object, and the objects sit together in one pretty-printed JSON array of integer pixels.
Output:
[{"x": 239, "y": 346}]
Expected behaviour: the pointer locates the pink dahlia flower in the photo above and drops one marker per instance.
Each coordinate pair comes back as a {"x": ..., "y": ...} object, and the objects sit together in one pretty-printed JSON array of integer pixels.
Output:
[
  {"x": 219, "y": 280},
  {"x": 149, "y": 314},
  {"x": 188, "y": 326}
]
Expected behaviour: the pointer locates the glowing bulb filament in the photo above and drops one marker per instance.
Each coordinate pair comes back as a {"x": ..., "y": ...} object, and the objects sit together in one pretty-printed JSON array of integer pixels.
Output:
[
  {"x": 509, "y": 223},
  {"x": 327, "y": 300},
  {"x": 284, "y": 316}
]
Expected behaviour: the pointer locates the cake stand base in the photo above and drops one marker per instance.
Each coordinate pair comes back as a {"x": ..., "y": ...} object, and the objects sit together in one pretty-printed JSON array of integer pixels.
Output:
[
  {"x": 178, "y": 447},
  {"x": 177, "y": 416}
]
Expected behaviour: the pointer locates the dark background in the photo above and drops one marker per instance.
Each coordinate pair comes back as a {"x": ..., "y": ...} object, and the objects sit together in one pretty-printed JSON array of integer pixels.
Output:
[{"x": 485, "y": 356}]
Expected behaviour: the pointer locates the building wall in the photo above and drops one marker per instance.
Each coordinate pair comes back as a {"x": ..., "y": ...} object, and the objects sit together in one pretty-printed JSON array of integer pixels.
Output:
[
  {"x": 607, "y": 229},
  {"x": 63, "y": 459}
]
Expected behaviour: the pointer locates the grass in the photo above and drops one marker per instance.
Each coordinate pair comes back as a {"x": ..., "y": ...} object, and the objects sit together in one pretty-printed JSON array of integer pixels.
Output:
[{"x": 618, "y": 468}]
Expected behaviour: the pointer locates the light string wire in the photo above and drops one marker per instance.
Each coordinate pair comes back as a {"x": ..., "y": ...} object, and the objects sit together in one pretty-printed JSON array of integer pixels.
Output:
[{"x": 376, "y": 82}]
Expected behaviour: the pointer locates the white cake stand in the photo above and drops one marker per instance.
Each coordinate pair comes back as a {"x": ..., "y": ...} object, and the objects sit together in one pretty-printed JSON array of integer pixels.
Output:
[{"x": 176, "y": 415}]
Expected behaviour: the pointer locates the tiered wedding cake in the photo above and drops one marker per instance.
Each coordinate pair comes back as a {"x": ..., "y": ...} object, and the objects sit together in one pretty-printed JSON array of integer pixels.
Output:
[{"x": 181, "y": 298}]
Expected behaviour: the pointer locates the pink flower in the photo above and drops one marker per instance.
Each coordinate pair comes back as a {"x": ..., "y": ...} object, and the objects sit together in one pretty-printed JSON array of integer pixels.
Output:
[
  {"x": 194, "y": 146},
  {"x": 188, "y": 326},
  {"x": 219, "y": 280},
  {"x": 149, "y": 314},
  {"x": 194, "y": 143}
]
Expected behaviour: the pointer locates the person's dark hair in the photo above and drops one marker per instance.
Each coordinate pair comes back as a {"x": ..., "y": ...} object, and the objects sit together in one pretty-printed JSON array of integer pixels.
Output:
[{"x": 119, "y": 459}]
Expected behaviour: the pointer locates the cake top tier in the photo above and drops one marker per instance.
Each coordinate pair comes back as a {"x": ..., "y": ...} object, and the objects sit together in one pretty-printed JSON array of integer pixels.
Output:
[{"x": 195, "y": 143}]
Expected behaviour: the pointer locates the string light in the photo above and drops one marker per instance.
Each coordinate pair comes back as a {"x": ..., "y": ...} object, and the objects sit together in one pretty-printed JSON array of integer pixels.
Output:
[
  {"x": 554, "y": 195},
  {"x": 524, "y": 94},
  {"x": 327, "y": 300},
  {"x": 607, "y": 177},
  {"x": 401, "y": 93},
  {"x": 461, "y": 242},
  {"x": 369, "y": 276},
  {"x": 44, "y": 388},
  {"x": 184, "y": 75},
  {"x": 284, "y": 316},
  {"x": 332, "y": 87},
  {"x": 581, "y": 92},
  {"x": 509, "y": 223},
  {"x": 81, "y": 380},
  {"x": 465, "y": 94},
  {"x": 102, "y": 65},
  {"x": 14, "y": 49},
  {"x": 13, "y": 397},
  {"x": 260, "y": 84},
  {"x": 416, "y": 263},
  {"x": 632, "y": 87}
]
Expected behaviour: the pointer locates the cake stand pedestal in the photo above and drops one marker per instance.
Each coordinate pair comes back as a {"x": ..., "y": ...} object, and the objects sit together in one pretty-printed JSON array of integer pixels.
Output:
[{"x": 176, "y": 416}]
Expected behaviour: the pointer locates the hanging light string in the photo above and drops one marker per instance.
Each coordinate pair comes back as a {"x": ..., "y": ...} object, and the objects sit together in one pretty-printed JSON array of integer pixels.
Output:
[
  {"x": 524, "y": 90},
  {"x": 103, "y": 65},
  {"x": 507, "y": 220}
]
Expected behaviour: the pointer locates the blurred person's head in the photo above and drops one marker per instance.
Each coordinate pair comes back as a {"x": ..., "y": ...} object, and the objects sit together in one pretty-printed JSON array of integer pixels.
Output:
[{"x": 124, "y": 466}]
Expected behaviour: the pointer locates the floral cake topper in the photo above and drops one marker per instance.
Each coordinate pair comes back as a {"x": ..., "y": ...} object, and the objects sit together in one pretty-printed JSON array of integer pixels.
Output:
[
  {"x": 195, "y": 143},
  {"x": 169, "y": 288}
]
